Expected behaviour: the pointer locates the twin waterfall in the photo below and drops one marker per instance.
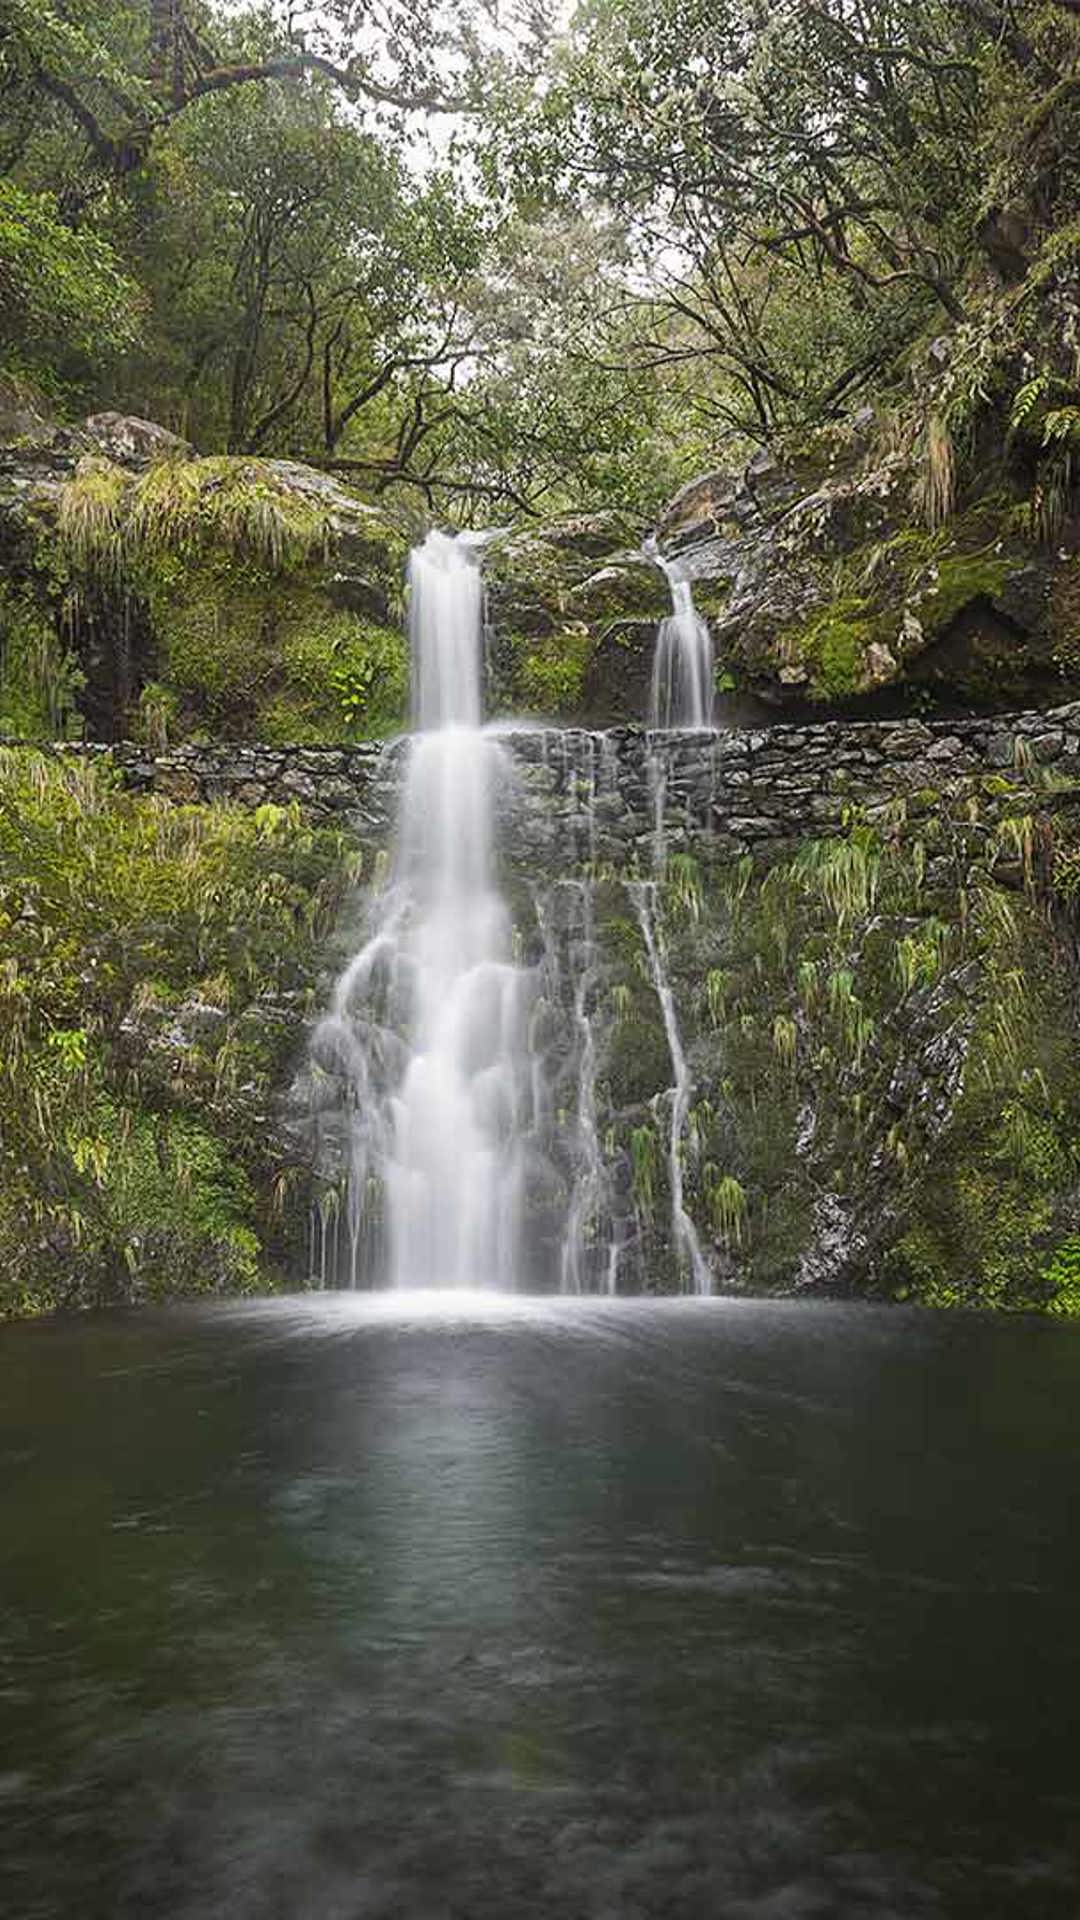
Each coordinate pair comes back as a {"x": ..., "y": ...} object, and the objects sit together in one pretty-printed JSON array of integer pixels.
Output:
[
  {"x": 682, "y": 681},
  {"x": 441, "y": 1117}
]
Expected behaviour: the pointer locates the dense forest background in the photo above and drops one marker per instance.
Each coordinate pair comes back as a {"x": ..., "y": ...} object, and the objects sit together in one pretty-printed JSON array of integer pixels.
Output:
[{"x": 513, "y": 261}]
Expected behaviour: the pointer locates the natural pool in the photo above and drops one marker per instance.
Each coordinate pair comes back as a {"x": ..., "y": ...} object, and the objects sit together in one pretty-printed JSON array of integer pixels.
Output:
[{"x": 481, "y": 1607}]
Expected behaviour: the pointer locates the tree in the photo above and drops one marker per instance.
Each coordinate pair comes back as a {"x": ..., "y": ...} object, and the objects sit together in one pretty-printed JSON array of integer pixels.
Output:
[
  {"x": 124, "y": 70},
  {"x": 65, "y": 302},
  {"x": 303, "y": 276},
  {"x": 802, "y": 180}
]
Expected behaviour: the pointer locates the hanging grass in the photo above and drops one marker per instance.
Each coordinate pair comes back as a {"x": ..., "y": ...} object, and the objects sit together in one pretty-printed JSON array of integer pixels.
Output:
[
  {"x": 110, "y": 522},
  {"x": 935, "y": 488},
  {"x": 91, "y": 520},
  {"x": 785, "y": 1041},
  {"x": 644, "y": 1161},
  {"x": 684, "y": 884},
  {"x": 717, "y": 987},
  {"x": 842, "y": 873},
  {"x": 919, "y": 957},
  {"x": 728, "y": 1206}
]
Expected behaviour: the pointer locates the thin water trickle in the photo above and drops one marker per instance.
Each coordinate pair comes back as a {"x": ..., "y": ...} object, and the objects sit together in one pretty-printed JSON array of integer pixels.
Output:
[{"x": 684, "y": 1233}]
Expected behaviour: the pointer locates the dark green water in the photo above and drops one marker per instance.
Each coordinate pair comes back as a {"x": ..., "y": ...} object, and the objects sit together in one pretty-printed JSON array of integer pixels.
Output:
[{"x": 333, "y": 1608}]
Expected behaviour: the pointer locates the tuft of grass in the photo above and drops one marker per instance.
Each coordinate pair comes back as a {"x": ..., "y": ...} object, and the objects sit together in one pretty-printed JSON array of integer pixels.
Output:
[
  {"x": 109, "y": 521},
  {"x": 935, "y": 489},
  {"x": 644, "y": 1161},
  {"x": 91, "y": 519},
  {"x": 728, "y": 1206},
  {"x": 843, "y": 873}
]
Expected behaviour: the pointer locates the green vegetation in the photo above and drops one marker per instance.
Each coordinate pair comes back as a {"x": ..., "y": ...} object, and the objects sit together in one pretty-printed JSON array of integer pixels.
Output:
[
  {"x": 155, "y": 961},
  {"x": 898, "y": 1050},
  {"x": 551, "y": 672},
  {"x": 224, "y": 572},
  {"x": 67, "y": 309}
]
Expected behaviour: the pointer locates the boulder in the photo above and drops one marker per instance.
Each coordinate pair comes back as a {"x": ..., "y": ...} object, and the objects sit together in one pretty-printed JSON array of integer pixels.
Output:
[
  {"x": 572, "y": 611},
  {"x": 131, "y": 442}
]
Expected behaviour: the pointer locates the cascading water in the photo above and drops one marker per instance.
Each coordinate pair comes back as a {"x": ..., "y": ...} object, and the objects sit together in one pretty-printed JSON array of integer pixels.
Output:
[
  {"x": 682, "y": 678},
  {"x": 467, "y": 1077},
  {"x": 684, "y": 1233},
  {"x": 429, "y": 1021}
]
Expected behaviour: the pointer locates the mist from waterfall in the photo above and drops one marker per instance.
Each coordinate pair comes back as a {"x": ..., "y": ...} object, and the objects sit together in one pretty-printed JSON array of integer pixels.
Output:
[
  {"x": 429, "y": 1021},
  {"x": 682, "y": 678}
]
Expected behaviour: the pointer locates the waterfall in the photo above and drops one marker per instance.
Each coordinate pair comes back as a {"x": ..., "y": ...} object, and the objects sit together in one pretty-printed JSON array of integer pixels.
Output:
[
  {"x": 682, "y": 677},
  {"x": 684, "y": 1233},
  {"x": 429, "y": 1021}
]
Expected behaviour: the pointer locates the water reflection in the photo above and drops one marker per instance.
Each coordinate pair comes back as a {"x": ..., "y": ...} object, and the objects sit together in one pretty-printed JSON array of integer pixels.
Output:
[{"x": 493, "y": 1607}]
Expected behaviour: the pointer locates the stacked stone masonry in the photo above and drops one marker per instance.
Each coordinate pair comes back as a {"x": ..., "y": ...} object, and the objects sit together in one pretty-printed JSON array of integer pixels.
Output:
[{"x": 609, "y": 797}]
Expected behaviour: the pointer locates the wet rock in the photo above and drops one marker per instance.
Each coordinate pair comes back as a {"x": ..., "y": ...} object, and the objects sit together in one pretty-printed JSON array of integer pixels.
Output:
[{"x": 133, "y": 442}]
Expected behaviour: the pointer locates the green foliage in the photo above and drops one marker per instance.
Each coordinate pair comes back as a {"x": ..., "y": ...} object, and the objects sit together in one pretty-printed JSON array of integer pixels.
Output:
[
  {"x": 183, "y": 509},
  {"x": 727, "y": 1204},
  {"x": 551, "y": 672},
  {"x": 135, "y": 1154},
  {"x": 39, "y": 679},
  {"x": 833, "y": 644},
  {"x": 1062, "y": 1277},
  {"x": 645, "y": 1162},
  {"x": 683, "y": 888},
  {"x": 920, "y": 955},
  {"x": 65, "y": 302},
  {"x": 844, "y": 873},
  {"x": 228, "y": 560}
]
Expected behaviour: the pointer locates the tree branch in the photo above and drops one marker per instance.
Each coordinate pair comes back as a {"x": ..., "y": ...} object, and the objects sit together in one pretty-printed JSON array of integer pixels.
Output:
[{"x": 293, "y": 66}]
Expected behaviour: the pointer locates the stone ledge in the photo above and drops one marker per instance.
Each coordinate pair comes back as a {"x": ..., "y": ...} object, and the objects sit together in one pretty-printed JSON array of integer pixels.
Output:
[{"x": 603, "y": 796}]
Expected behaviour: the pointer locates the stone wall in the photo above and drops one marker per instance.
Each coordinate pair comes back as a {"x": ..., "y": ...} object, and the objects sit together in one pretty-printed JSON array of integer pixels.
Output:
[{"x": 582, "y": 796}]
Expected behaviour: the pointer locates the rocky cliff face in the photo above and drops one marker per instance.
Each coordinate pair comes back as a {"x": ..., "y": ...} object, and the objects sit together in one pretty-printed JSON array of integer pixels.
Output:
[
  {"x": 923, "y": 552},
  {"x": 823, "y": 584}
]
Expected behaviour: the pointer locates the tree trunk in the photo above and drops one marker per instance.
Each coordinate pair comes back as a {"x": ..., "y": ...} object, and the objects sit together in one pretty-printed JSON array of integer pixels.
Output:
[{"x": 167, "y": 50}]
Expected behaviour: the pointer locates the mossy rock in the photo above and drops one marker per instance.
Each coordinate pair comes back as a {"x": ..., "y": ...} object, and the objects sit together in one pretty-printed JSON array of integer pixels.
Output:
[
  {"x": 244, "y": 592},
  {"x": 566, "y": 604},
  {"x": 249, "y": 657}
]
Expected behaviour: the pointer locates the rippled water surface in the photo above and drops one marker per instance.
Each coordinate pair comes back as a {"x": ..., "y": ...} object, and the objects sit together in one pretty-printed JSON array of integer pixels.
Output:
[{"x": 473, "y": 1610}]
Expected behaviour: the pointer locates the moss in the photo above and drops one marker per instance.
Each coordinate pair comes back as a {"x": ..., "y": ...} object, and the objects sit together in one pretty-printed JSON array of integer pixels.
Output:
[
  {"x": 235, "y": 567},
  {"x": 636, "y": 1059},
  {"x": 550, "y": 673},
  {"x": 108, "y": 518},
  {"x": 711, "y": 596},
  {"x": 143, "y": 943},
  {"x": 90, "y": 516},
  {"x": 40, "y": 679},
  {"x": 833, "y": 645},
  {"x": 253, "y": 658},
  {"x": 956, "y": 581}
]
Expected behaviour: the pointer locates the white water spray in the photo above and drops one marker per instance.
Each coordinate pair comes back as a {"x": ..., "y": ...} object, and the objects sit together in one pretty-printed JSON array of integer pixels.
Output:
[
  {"x": 429, "y": 1021},
  {"x": 682, "y": 677}
]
